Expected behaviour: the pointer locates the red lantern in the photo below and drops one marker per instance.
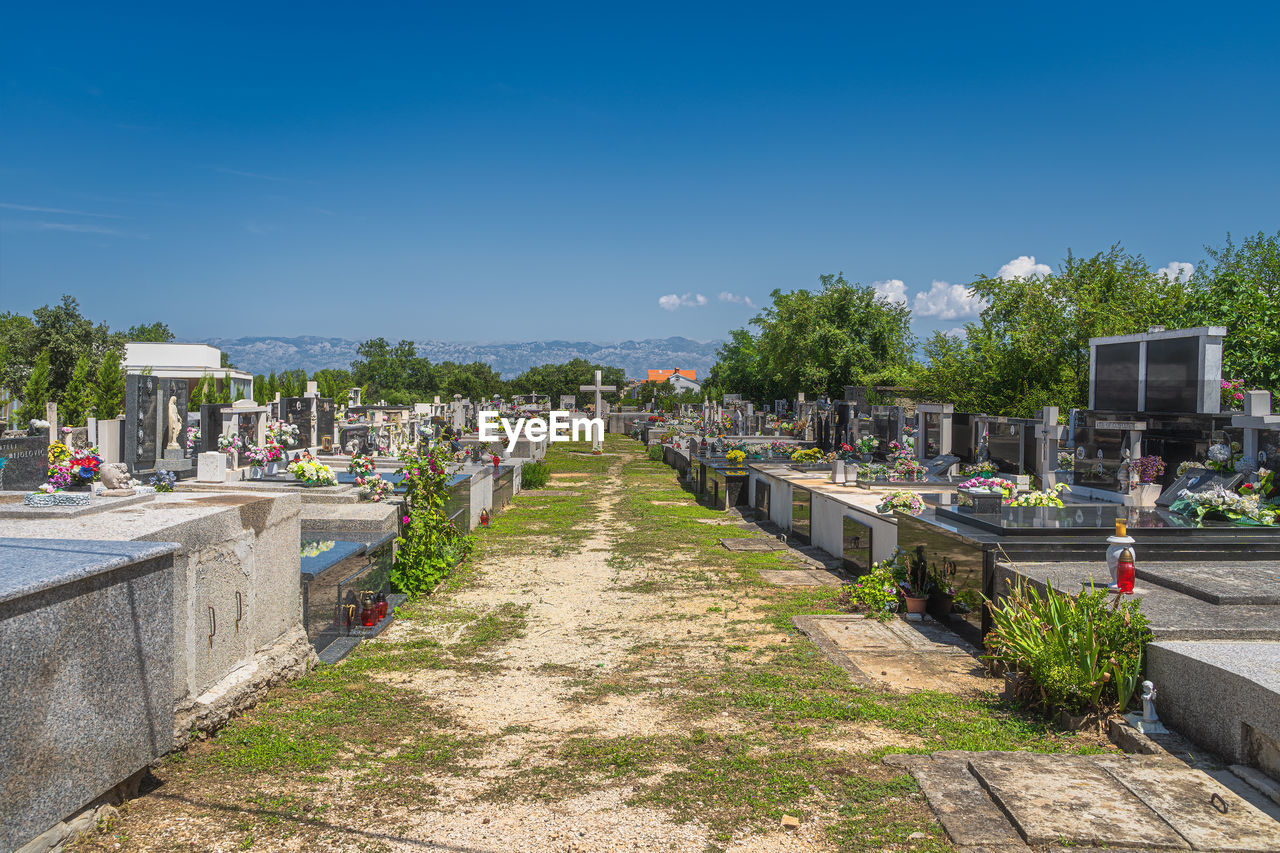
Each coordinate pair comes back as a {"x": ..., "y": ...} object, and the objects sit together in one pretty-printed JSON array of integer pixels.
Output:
[
  {"x": 1125, "y": 572},
  {"x": 484, "y": 518}
]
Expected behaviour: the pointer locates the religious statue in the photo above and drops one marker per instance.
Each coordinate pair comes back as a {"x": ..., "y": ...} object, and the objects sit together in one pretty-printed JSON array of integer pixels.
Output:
[
  {"x": 175, "y": 425},
  {"x": 1149, "y": 703}
]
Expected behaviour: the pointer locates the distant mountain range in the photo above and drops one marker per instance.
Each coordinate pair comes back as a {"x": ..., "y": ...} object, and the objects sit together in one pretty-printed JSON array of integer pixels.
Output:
[{"x": 264, "y": 355}]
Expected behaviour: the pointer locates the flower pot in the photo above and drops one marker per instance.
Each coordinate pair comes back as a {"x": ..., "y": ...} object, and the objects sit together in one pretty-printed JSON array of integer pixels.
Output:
[
  {"x": 255, "y": 473},
  {"x": 273, "y": 467},
  {"x": 940, "y": 605},
  {"x": 916, "y": 605}
]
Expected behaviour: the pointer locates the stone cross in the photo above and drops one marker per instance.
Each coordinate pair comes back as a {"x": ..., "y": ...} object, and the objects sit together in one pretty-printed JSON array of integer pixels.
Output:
[{"x": 597, "y": 387}]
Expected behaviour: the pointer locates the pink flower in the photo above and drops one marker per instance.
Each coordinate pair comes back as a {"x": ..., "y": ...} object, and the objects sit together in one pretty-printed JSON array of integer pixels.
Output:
[
  {"x": 404, "y": 520},
  {"x": 1239, "y": 396}
]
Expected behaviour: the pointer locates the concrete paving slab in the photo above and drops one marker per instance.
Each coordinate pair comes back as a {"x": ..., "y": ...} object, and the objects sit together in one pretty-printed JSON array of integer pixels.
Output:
[
  {"x": 899, "y": 655},
  {"x": 801, "y": 577},
  {"x": 746, "y": 544},
  {"x": 1067, "y": 799},
  {"x": 963, "y": 807},
  {"x": 1201, "y": 810}
]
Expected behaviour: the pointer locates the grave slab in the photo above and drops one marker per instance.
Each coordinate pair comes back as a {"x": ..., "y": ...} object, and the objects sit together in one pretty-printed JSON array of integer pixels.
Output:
[
  {"x": 1217, "y": 582},
  {"x": 14, "y": 507},
  {"x": 1067, "y": 798},
  {"x": 801, "y": 577},
  {"x": 905, "y": 657},
  {"x": 962, "y": 805},
  {"x": 752, "y": 544},
  {"x": 1184, "y": 798}
]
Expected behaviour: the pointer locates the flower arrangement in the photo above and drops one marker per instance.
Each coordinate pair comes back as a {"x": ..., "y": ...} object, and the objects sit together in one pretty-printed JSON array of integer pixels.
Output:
[
  {"x": 193, "y": 438},
  {"x": 374, "y": 487},
  {"x": 282, "y": 433},
  {"x": 989, "y": 484},
  {"x": 1232, "y": 394},
  {"x": 737, "y": 457},
  {"x": 1050, "y": 497},
  {"x": 259, "y": 457},
  {"x": 1148, "y": 468},
  {"x": 907, "y": 468},
  {"x": 229, "y": 443},
  {"x": 69, "y": 468},
  {"x": 311, "y": 472},
  {"x": 807, "y": 456},
  {"x": 908, "y": 502},
  {"x": 979, "y": 469},
  {"x": 59, "y": 479},
  {"x": 1188, "y": 465},
  {"x": 777, "y": 447},
  {"x": 868, "y": 444},
  {"x": 1222, "y": 503},
  {"x": 1065, "y": 460},
  {"x": 163, "y": 481},
  {"x": 360, "y": 465},
  {"x": 59, "y": 454}
]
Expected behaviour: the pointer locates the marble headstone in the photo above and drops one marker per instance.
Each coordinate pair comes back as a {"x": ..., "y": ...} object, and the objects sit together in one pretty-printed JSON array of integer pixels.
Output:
[
  {"x": 325, "y": 410},
  {"x": 24, "y": 462}
]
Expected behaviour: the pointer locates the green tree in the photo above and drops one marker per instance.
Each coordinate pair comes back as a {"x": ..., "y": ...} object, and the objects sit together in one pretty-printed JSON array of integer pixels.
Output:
[
  {"x": 334, "y": 383},
  {"x": 224, "y": 396},
  {"x": 78, "y": 399},
  {"x": 35, "y": 394},
  {"x": 67, "y": 334},
  {"x": 109, "y": 396},
  {"x": 1030, "y": 346},
  {"x": 260, "y": 390},
  {"x": 150, "y": 332},
  {"x": 819, "y": 342},
  {"x": 198, "y": 393},
  {"x": 17, "y": 340},
  {"x": 737, "y": 368},
  {"x": 1239, "y": 287}
]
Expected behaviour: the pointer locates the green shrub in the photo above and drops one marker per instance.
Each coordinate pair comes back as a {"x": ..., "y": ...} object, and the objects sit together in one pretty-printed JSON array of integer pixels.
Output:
[
  {"x": 809, "y": 455},
  {"x": 428, "y": 546},
  {"x": 655, "y": 453},
  {"x": 1081, "y": 654},
  {"x": 534, "y": 475},
  {"x": 875, "y": 593}
]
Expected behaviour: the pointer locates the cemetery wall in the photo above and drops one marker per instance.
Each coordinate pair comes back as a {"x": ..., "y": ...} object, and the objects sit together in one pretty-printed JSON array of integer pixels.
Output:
[
  {"x": 481, "y": 493},
  {"x": 828, "y": 527}
]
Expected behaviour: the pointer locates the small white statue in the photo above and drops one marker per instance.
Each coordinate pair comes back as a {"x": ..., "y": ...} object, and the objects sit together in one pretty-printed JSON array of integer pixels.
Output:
[
  {"x": 175, "y": 427},
  {"x": 1149, "y": 703}
]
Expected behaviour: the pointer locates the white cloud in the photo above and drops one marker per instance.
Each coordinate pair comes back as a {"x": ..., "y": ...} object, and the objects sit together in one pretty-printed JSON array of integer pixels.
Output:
[
  {"x": 726, "y": 296},
  {"x": 26, "y": 208},
  {"x": 957, "y": 332},
  {"x": 892, "y": 290},
  {"x": 673, "y": 301},
  {"x": 1023, "y": 266},
  {"x": 77, "y": 228},
  {"x": 1177, "y": 271},
  {"x": 948, "y": 302}
]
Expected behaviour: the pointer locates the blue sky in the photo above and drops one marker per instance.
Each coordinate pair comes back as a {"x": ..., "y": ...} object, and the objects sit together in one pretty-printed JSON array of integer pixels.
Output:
[{"x": 537, "y": 171}]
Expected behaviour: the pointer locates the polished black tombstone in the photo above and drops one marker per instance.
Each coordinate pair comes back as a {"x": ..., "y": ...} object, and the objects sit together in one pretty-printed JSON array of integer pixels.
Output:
[
  {"x": 298, "y": 412},
  {"x": 354, "y": 438},
  {"x": 325, "y": 411},
  {"x": 760, "y": 502},
  {"x": 963, "y": 440},
  {"x": 24, "y": 462},
  {"x": 1173, "y": 381},
  {"x": 141, "y": 396},
  {"x": 210, "y": 426},
  {"x": 1011, "y": 443},
  {"x": 1115, "y": 386},
  {"x": 178, "y": 390},
  {"x": 930, "y": 437}
]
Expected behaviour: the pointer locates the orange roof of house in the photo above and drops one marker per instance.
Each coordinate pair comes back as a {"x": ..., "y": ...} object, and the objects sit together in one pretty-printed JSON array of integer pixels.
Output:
[{"x": 664, "y": 375}]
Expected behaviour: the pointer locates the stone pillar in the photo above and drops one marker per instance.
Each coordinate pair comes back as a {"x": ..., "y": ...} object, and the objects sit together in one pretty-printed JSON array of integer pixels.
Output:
[{"x": 51, "y": 415}]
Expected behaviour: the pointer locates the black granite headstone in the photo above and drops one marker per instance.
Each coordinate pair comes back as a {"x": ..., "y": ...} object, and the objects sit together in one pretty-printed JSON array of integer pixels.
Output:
[
  {"x": 177, "y": 389},
  {"x": 1116, "y": 376},
  {"x": 210, "y": 426},
  {"x": 297, "y": 411},
  {"x": 325, "y": 411},
  {"x": 962, "y": 439},
  {"x": 1197, "y": 480},
  {"x": 939, "y": 465},
  {"x": 24, "y": 462},
  {"x": 1173, "y": 379},
  {"x": 354, "y": 438},
  {"x": 141, "y": 420}
]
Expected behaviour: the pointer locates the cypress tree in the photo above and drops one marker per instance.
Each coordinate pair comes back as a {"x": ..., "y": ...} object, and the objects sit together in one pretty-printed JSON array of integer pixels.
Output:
[{"x": 109, "y": 396}]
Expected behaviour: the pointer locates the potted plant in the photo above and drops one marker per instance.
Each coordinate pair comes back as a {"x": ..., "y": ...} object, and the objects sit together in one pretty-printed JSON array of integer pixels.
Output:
[
  {"x": 943, "y": 593},
  {"x": 917, "y": 585},
  {"x": 1149, "y": 468},
  {"x": 866, "y": 446}
]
